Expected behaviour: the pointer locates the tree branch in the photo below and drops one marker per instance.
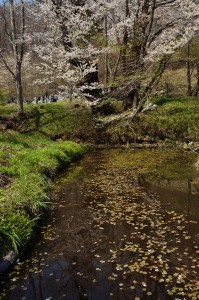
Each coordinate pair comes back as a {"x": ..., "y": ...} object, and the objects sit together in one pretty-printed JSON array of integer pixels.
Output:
[{"x": 7, "y": 65}]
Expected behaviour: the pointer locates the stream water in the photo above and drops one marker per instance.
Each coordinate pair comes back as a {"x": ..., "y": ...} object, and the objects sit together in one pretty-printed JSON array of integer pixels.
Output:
[{"x": 124, "y": 226}]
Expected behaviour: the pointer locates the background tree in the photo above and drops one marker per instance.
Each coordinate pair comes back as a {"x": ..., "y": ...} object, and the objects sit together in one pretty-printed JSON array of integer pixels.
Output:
[
  {"x": 146, "y": 40},
  {"x": 75, "y": 45},
  {"x": 12, "y": 49}
]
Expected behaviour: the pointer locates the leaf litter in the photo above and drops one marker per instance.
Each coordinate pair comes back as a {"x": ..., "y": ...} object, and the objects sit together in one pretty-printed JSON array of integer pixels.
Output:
[
  {"x": 141, "y": 247},
  {"x": 153, "y": 245}
]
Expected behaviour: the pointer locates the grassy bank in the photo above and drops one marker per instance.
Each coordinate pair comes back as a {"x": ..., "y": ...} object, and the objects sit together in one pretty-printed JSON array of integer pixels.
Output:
[
  {"x": 27, "y": 163},
  {"x": 173, "y": 120},
  {"x": 64, "y": 119}
]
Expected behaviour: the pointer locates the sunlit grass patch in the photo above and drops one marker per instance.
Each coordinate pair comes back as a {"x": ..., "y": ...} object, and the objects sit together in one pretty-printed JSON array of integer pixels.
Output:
[
  {"x": 174, "y": 120},
  {"x": 16, "y": 229},
  {"x": 70, "y": 120},
  {"x": 29, "y": 161}
]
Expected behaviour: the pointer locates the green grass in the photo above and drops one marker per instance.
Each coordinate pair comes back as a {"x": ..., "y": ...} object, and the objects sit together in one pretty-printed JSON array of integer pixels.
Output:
[
  {"x": 175, "y": 120},
  {"x": 68, "y": 119},
  {"x": 30, "y": 161}
]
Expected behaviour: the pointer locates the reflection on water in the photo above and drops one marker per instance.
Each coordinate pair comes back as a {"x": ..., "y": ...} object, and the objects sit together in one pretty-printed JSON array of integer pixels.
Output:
[{"x": 125, "y": 226}]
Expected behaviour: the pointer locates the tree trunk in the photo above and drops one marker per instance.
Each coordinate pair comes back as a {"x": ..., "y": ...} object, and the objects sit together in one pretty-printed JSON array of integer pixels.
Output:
[
  {"x": 18, "y": 51},
  {"x": 196, "y": 89},
  {"x": 133, "y": 98},
  {"x": 19, "y": 89},
  {"x": 189, "y": 87},
  {"x": 157, "y": 75},
  {"x": 136, "y": 95},
  {"x": 106, "y": 70},
  {"x": 125, "y": 41}
]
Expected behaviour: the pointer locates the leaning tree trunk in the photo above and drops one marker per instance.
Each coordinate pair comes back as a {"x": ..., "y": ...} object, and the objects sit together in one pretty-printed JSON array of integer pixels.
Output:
[
  {"x": 133, "y": 97},
  {"x": 137, "y": 95}
]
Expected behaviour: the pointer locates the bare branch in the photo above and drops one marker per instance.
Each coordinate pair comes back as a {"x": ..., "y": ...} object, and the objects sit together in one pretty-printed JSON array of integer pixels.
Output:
[
  {"x": 7, "y": 65},
  {"x": 159, "y": 32},
  {"x": 165, "y": 3},
  {"x": 3, "y": 12},
  {"x": 22, "y": 30}
]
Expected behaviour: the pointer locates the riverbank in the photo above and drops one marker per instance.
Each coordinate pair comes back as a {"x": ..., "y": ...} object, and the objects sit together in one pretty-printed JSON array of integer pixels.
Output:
[
  {"x": 28, "y": 162},
  {"x": 62, "y": 120},
  {"x": 34, "y": 148},
  {"x": 172, "y": 121}
]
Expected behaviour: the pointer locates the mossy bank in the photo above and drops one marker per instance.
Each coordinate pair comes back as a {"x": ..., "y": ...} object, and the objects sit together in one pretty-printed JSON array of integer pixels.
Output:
[
  {"x": 28, "y": 162},
  {"x": 64, "y": 119},
  {"x": 171, "y": 121}
]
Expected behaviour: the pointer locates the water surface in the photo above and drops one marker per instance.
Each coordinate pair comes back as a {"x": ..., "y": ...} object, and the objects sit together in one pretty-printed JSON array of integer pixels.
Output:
[{"x": 124, "y": 226}]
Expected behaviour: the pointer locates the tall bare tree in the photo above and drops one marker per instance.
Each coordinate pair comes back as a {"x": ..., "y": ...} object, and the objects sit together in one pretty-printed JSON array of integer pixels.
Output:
[{"x": 12, "y": 14}]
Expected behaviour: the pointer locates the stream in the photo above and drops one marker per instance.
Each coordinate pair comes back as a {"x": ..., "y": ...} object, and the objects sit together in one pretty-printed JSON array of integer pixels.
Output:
[{"x": 124, "y": 225}]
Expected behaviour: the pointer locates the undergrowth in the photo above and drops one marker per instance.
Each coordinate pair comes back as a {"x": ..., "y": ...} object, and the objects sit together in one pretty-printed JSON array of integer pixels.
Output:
[
  {"x": 173, "y": 120},
  {"x": 29, "y": 161},
  {"x": 64, "y": 119}
]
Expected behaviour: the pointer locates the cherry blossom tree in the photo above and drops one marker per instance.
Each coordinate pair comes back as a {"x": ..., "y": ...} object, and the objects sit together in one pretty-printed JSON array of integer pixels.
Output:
[
  {"x": 146, "y": 33},
  {"x": 64, "y": 48},
  {"x": 65, "y": 36}
]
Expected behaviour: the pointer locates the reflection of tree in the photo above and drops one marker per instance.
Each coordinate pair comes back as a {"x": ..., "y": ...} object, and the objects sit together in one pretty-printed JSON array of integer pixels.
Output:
[
  {"x": 31, "y": 280},
  {"x": 142, "y": 182},
  {"x": 174, "y": 195},
  {"x": 146, "y": 186},
  {"x": 189, "y": 193},
  {"x": 41, "y": 297}
]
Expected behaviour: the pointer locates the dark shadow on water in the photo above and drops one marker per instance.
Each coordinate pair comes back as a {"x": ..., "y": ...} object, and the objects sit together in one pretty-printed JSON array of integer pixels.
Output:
[{"x": 110, "y": 236}]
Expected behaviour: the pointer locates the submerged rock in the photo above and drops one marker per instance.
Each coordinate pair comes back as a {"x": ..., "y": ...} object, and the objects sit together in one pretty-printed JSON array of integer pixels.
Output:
[{"x": 7, "y": 261}]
